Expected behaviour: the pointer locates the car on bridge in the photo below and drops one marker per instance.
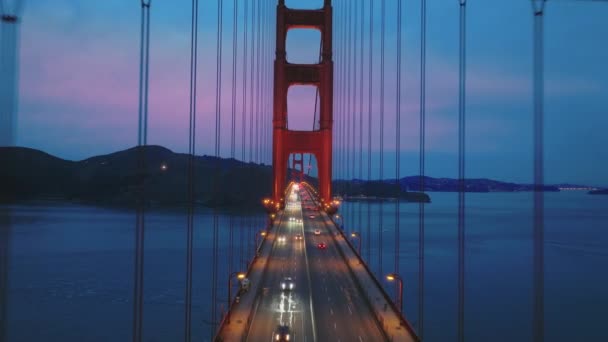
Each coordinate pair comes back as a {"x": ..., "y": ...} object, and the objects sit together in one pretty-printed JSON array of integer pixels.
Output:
[
  {"x": 282, "y": 333},
  {"x": 287, "y": 284},
  {"x": 298, "y": 237},
  {"x": 322, "y": 245},
  {"x": 317, "y": 232}
]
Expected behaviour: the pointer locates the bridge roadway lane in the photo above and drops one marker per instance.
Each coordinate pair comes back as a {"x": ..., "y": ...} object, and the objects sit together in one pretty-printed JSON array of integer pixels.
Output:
[
  {"x": 340, "y": 313},
  {"x": 277, "y": 307}
]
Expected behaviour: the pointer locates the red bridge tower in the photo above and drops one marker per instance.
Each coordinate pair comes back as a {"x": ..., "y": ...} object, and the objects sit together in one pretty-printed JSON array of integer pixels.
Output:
[{"x": 317, "y": 142}]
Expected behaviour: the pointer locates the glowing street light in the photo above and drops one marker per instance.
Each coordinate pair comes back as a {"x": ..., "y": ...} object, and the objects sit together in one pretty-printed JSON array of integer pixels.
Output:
[
  {"x": 261, "y": 233},
  {"x": 392, "y": 277},
  {"x": 239, "y": 276},
  {"x": 357, "y": 236}
]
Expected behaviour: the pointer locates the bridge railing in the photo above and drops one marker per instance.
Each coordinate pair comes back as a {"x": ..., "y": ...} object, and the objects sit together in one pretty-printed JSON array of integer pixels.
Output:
[
  {"x": 387, "y": 298},
  {"x": 258, "y": 292}
]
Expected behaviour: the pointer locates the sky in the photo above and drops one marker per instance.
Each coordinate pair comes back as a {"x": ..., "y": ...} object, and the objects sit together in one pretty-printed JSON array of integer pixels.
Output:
[{"x": 79, "y": 65}]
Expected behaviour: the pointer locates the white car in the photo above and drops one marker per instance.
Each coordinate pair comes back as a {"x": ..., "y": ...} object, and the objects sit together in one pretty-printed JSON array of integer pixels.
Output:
[
  {"x": 282, "y": 238},
  {"x": 317, "y": 232},
  {"x": 287, "y": 284}
]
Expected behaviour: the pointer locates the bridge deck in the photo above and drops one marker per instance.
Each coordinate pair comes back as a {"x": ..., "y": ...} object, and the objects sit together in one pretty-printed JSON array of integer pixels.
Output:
[{"x": 334, "y": 297}]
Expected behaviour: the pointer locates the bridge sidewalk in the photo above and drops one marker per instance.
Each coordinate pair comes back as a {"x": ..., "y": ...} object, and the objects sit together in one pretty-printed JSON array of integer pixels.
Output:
[
  {"x": 235, "y": 325},
  {"x": 395, "y": 326}
]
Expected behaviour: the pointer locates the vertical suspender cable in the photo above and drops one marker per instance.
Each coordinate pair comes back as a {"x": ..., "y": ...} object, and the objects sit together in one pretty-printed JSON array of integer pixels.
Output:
[
  {"x": 538, "y": 253},
  {"x": 9, "y": 43},
  {"x": 361, "y": 50},
  {"x": 257, "y": 101},
  {"x": 218, "y": 126},
  {"x": 235, "y": 12},
  {"x": 244, "y": 94},
  {"x": 348, "y": 117},
  {"x": 8, "y": 121},
  {"x": 244, "y": 123},
  {"x": 337, "y": 111},
  {"x": 461, "y": 169},
  {"x": 398, "y": 141},
  {"x": 355, "y": 86},
  {"x": 370, "y": 89},
  {"x": 191, "y": 173},
  {"x": 141, "y": 142},
  {"x": 342, "y": 85},
  {"x": 421, "y": 180},
  {"x": 251, "y": 114},
  {"x": 381, "y": 176},
  {"x": 353, "y": 111},
  {"x": 251, "y": 80}
]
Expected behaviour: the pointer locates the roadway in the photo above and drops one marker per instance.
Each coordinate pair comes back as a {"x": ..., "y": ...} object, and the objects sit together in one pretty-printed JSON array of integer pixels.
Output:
[{"x": 325, "y": 304}]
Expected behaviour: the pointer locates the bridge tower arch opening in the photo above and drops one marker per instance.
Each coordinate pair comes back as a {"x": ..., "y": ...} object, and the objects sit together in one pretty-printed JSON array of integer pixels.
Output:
[
  {"x": 318, "y": 142},
  {"x": 301, "y": 166}
]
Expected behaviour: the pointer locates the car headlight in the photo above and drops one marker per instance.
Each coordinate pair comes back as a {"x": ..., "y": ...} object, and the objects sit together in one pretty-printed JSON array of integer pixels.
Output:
[
  {"x": 277, "y": 337},
  {"x": 287, "y": 337}
]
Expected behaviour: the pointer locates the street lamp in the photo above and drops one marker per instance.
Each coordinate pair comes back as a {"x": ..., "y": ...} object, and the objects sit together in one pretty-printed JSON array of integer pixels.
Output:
[
  {"x": 357, "y": 236},
  {"x": 261, "y": 233},
  {"x": 341, "y": 224},
  {"x": 239, "y": 276},
  {"x": 393, "y": 277}
]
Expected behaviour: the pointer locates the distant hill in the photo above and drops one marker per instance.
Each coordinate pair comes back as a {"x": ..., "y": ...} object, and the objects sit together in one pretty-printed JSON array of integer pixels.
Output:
[
  {"x": 471, "y": 185},
  {"x": 113, "y": 178},
  {"x": 599, "y": 192}
]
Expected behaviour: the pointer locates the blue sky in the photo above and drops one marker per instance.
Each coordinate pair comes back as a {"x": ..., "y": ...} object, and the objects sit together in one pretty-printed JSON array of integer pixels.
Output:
[{"x": 79, "y": 74}]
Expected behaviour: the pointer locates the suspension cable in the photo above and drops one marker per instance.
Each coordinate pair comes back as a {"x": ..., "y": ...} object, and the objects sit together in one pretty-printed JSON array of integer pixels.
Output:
[
  {"x": 191, "y": 173},
  {"x": 138, "y": 283},
  {"x": 422, "y": 164},
  {"x": 369, "y": 121},
  {"x": 381, "y": 137},
  {"x": 252, "y": 85},
  {"x": 218, "y": 116},
  {"x": 461, "y": 169},
  {"x": 342, "y": 97},
  {"x": 244, "y": 94},
  {"x": 235, "y": 12},
  {"x": 257, "y": 102},
  {"x": 244, "y": 118},
  {"x": 8, "y": 72},
  {"x": 538, "y": 7},
  {"x": 398, "y": 140},
  {"x": 353, "y": 145},
  {"x": 8, "y": 81}
]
